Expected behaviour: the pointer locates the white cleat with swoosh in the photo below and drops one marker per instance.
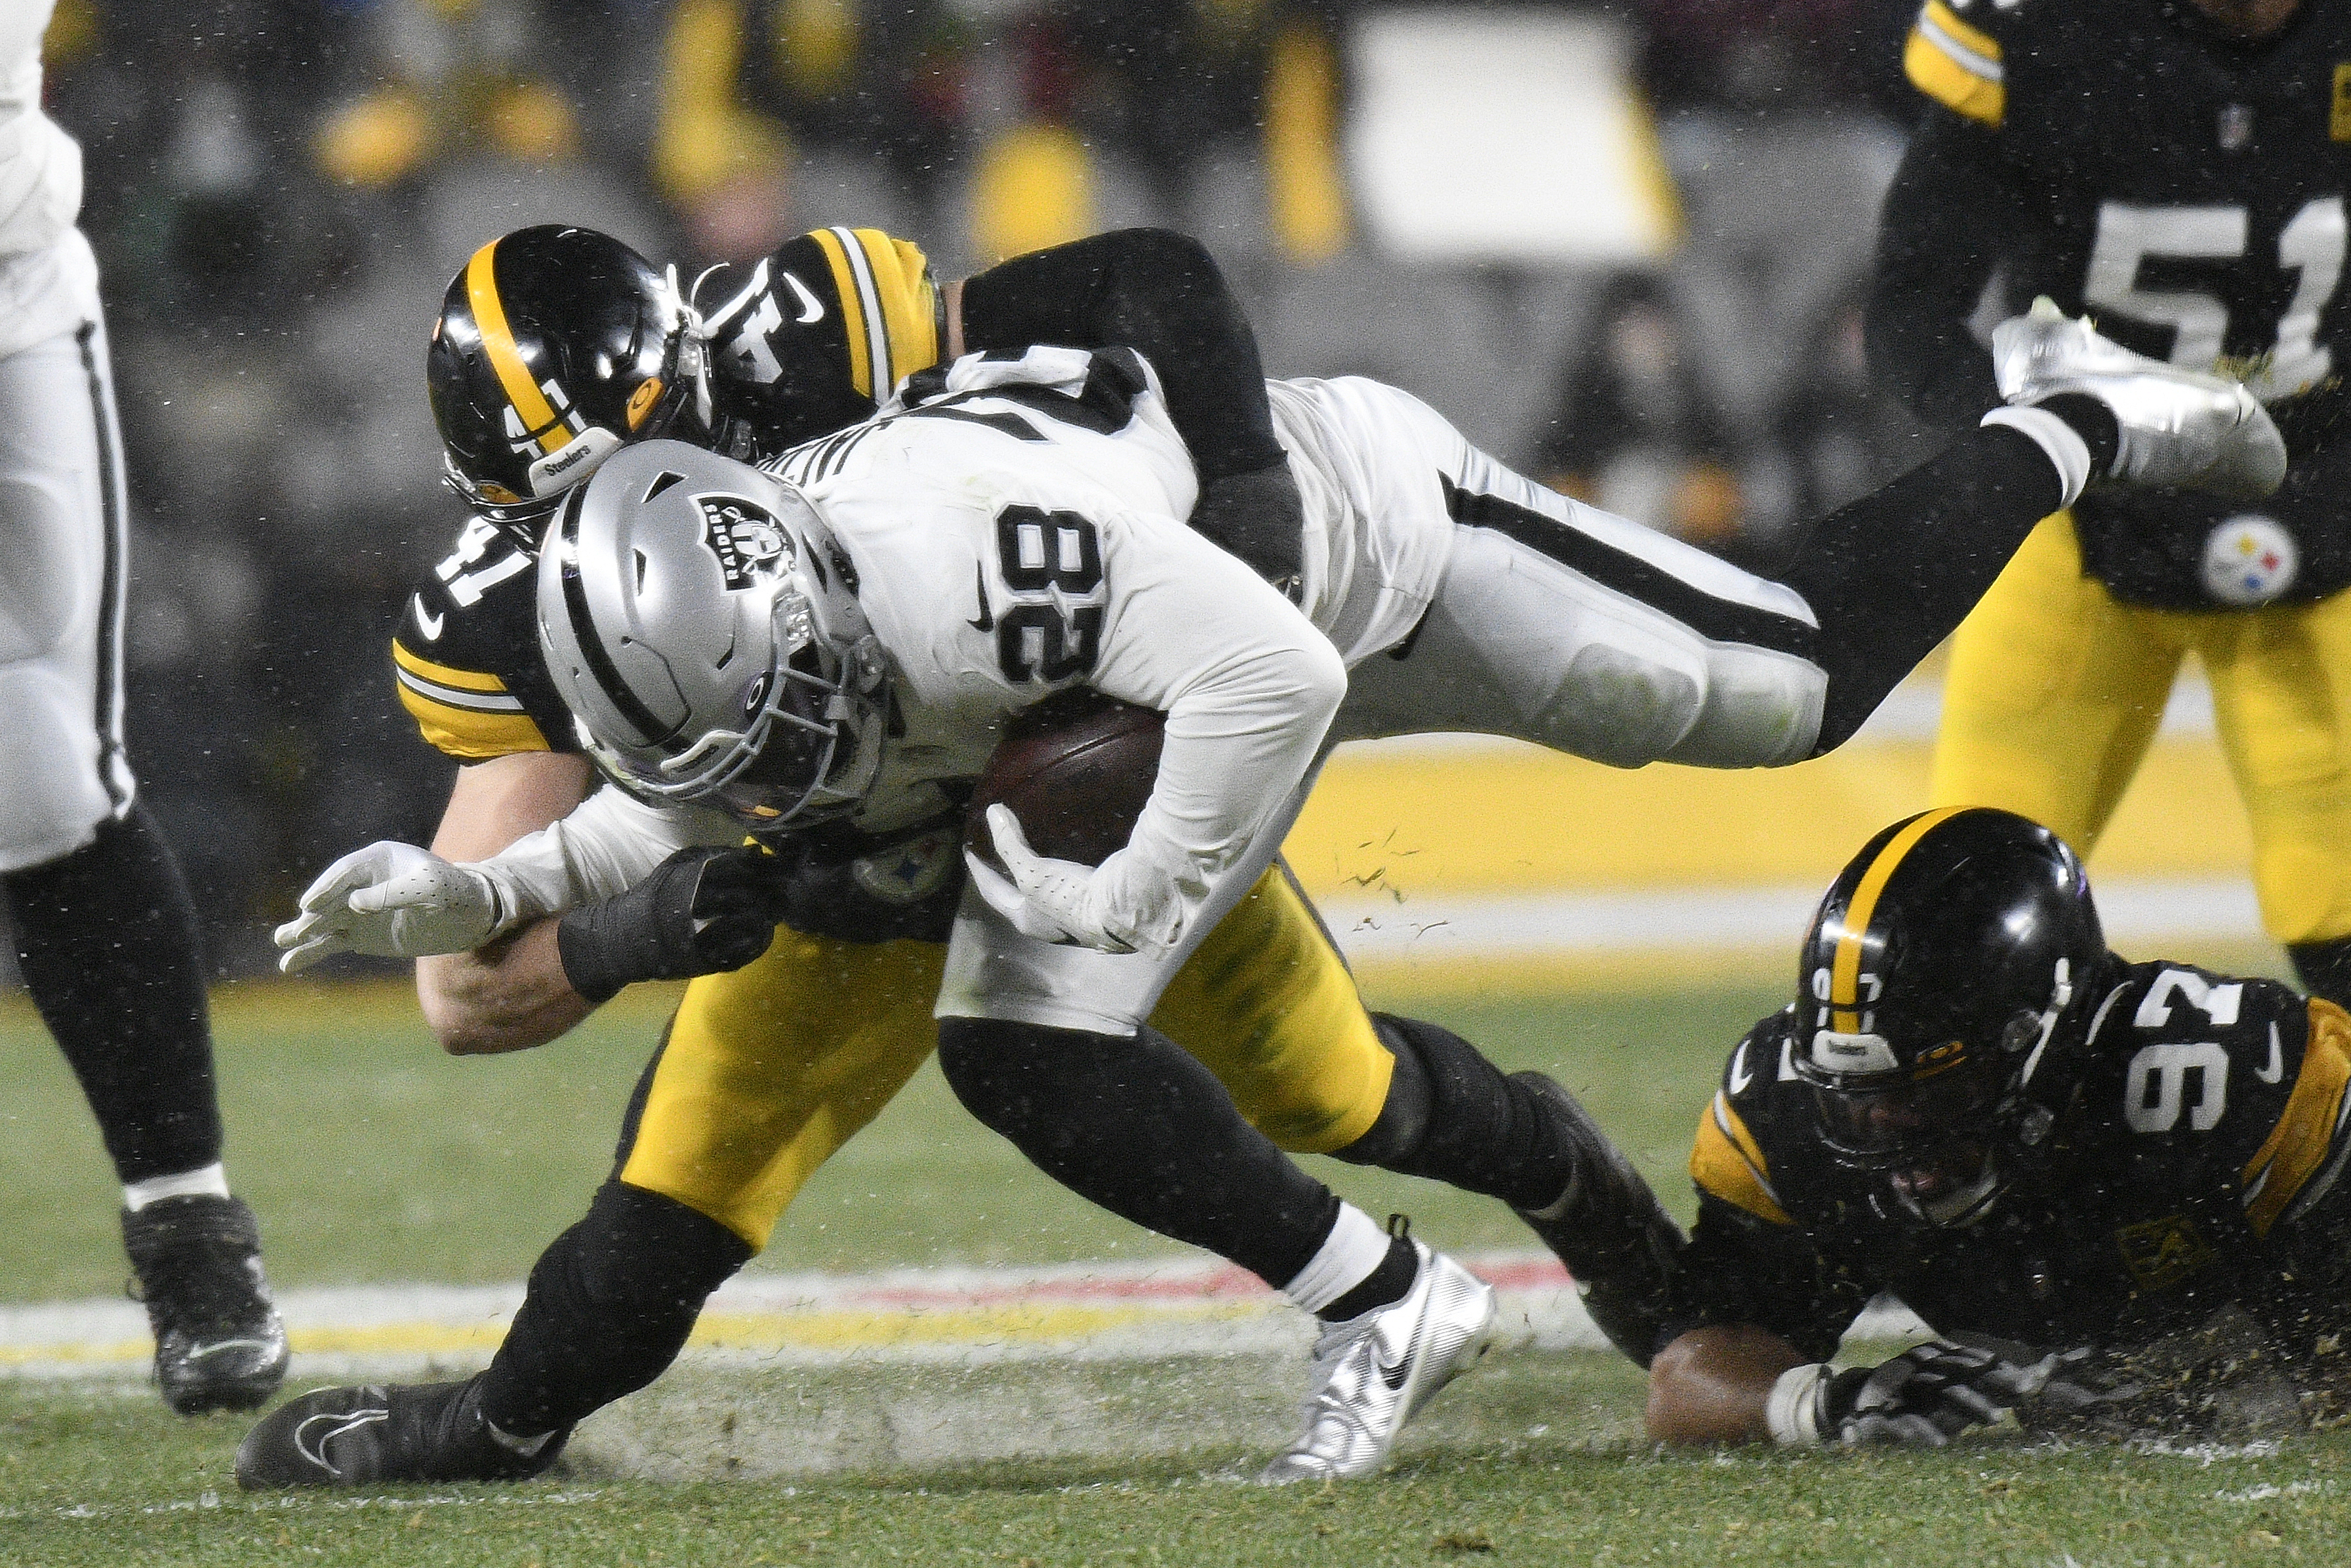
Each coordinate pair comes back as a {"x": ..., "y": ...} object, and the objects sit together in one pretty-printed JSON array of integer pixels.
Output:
[{"x": 1372, "y": 1374}]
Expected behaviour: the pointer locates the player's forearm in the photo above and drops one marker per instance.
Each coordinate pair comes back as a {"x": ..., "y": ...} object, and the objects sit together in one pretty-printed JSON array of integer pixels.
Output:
[
  {"x": 510, "y": 996},
  {"x": 1937, "y": 245},
  {"x": 1713, "y": 1384},
  {"x": 1237, "y": 746},
  {"x": 1156, "y": 292},
  {"x": 603, "y": 847}
]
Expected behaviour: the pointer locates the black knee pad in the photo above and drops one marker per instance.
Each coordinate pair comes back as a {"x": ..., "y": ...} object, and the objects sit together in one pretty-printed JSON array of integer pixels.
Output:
[
  {"x": 1403, "y": 1122},
  {"x": 609, "y": 1305},
  {"x": 1453, "y": 1116}
]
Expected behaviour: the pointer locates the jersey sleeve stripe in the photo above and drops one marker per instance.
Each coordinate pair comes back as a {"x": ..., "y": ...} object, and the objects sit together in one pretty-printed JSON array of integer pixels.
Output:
[
  {"x": 457, "y": 696},
  {"x": 472, "y": 735},
  {"x": 2312, "y": 1126},
  {"x": 1727, "y": 1163},
  {"x": 1956, "y": 64},
  {"x": 449, "y": 675}
]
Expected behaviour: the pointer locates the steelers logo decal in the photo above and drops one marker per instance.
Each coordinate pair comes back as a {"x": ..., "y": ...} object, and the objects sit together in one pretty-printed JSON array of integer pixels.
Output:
[
  {"x": 744, "y": 535},
  {"x": 2250, "y": 560}
]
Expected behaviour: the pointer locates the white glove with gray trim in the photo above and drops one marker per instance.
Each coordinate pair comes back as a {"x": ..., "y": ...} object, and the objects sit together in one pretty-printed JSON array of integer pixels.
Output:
[
  {"x": 1051, "y": 900},
  {"x": 393, "y": 900}
]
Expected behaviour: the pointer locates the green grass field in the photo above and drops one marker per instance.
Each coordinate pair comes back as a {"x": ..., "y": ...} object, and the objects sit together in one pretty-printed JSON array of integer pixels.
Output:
[{"x": 371, "y": 1157}]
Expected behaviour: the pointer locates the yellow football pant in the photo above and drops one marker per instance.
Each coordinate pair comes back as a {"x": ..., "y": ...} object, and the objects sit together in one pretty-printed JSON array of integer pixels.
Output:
[
  {"x": 767, "y": 1070},
  {"x": 2056, "y": 688}
]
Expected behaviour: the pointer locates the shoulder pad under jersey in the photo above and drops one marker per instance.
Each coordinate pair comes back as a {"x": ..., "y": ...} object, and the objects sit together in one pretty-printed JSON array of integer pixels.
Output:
[
  {"x": 466, "y": 658},
  {"x": 2245, "y": 1076},
  {"x": 1749, "y": 1121}
]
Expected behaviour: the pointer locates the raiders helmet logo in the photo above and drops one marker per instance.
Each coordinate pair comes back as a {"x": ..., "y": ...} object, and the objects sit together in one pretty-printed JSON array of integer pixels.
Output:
[{"x": 745, "y": 536}]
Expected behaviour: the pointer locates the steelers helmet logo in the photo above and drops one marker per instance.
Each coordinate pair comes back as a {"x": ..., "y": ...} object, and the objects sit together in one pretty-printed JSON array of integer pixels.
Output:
[
  {"x": 2250, "y": 560},
  {"x": 744, "y": 535}
]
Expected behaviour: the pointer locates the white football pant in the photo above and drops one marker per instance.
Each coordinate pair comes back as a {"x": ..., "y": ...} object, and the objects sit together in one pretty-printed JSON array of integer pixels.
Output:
[
  {"x": 64, "y": 564},
  {"x": 1475, "y": 599}
]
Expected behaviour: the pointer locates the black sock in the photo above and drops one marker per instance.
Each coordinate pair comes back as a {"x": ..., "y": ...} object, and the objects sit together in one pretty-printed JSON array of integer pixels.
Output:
[
  {"x": 1142, "y": 1129},
  {"x": 1890, "y": 575},
  {"x": 1452, "y": 1117},
  {"x": 609, "y": 1306},
  {"x": 106, "y": 939},
  {"x": 1384, "y": 1286},
  {"x": 2324, "y": 968}
]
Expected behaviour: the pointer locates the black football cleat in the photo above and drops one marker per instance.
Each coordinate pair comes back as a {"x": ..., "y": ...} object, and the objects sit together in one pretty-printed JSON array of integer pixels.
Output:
[
  {"x": 219, "y": 1342},
  {"x": 1609, "y": 1228},
  {"x": 385, "y": 1434}
]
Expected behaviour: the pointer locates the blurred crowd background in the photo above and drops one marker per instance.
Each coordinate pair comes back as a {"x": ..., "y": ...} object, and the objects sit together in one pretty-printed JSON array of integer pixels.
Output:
[{"x": 1622, "y": 246}]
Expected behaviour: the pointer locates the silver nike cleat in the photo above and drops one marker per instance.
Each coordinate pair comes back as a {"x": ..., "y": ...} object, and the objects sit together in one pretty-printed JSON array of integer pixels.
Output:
[
  {"x": 2177, "y": 427},
  {"x": 1372, "y": 1374}
]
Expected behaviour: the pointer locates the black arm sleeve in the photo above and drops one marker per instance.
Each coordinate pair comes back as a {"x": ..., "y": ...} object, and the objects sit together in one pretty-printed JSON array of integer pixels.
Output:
[
  {"x": 1938, "y": 243},
  {"x": 1160, "y": 294}
]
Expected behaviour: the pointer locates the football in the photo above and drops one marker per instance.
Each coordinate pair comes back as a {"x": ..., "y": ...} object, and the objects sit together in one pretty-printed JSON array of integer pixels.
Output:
[{"x": 1076, "y": 769}]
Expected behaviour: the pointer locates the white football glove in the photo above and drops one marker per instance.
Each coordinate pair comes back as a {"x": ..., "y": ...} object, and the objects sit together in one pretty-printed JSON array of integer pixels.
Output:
[
  {"x": 392, "y": 900},
  {"x": 1050, "y": 900}
]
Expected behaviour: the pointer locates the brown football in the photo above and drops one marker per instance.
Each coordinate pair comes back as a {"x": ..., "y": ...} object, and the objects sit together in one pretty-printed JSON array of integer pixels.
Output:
[{"x": 1076, "y": 769}]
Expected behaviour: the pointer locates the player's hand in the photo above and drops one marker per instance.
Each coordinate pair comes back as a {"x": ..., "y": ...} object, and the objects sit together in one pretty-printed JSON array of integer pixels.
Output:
[
  {"x": 1050, "y": 900},
  {"x": 1922, "y": 1398},
  {"x": 700, "y": 911},
  {"x": 392, "y": 900}
]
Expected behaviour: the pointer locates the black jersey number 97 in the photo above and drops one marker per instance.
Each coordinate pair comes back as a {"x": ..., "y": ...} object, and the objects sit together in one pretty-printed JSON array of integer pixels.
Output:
[{"x": 1048, "y": 560}]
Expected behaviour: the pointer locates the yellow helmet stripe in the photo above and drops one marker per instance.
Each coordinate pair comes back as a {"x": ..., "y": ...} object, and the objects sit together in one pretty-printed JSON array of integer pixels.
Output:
[
  {"x": 1844, "y": 970},
  {"x": 497, "y": 340},
  {"x": 861, "y": 316}
]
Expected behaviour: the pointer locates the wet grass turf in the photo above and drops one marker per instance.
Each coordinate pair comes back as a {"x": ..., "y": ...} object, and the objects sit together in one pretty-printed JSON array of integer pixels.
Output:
[{"x": 370, "y": 1155}]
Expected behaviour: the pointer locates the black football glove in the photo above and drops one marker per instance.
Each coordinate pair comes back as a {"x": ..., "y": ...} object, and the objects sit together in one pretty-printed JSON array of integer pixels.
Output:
[
  {"x": 1258, "y": 518},
  {"x": 1922, "y": 1398},
  {"x": 700, "y": 911}
]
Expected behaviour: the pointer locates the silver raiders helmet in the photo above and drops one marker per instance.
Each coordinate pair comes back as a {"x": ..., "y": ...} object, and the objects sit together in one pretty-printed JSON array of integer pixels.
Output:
[{"x": 703, "y": 626}]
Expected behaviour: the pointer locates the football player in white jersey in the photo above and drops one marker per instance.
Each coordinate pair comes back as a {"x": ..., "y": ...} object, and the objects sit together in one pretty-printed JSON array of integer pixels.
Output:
[
  {"x": 105, "y": 935},
  {"x": 777, "y": 649}
]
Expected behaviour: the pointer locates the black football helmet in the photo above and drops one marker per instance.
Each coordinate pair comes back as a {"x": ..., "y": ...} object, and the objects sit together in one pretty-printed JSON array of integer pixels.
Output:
[
  {"x": 556, "y": 346},
  {"x": 1946, "y": 978},
  {"x": 818, "y": 334}
]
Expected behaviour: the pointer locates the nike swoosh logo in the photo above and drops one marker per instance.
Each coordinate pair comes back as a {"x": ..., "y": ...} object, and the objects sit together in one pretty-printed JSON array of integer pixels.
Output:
[
  {"x": 218, "y": 1345},
  {"x": 429, "y": 622},
  {"x": 1393, "y": 1374},
  {"x": 984, "y": 620},
  {"x": 341, "y": 1422},
  {"x": 811, "y": 308},
  {"x": 2276, "y": 1069},
  {"x": 1739, "y": 1076}
]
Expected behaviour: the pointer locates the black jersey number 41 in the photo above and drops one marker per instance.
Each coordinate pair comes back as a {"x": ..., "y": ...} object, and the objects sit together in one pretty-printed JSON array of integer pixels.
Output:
[{"x": 1051, "y": 563}]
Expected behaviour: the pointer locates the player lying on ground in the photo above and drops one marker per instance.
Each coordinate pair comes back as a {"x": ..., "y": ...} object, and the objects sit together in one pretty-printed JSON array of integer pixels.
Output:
[
  {"x": 1048, "y": 482},
  {"x": 2053, "y": 1155},
  {"x": 766, "y": 1069}
]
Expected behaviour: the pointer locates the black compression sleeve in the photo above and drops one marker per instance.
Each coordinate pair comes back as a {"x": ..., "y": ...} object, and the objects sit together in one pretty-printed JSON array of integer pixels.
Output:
[
  {"x": 1937, "y": 241},
  {"x": 1891, "y": 574},
  {"x": 1156, "y": 292}
]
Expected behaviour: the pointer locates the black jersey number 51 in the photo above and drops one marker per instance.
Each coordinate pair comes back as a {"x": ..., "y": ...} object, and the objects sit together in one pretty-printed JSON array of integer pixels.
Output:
[{"x": 1048, "y": 560}]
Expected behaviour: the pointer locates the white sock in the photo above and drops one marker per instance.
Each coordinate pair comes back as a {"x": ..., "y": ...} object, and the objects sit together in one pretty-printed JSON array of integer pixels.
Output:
[
  {"x": 207, "y": 1181},
  {"x": 1355, "y": 1246}
]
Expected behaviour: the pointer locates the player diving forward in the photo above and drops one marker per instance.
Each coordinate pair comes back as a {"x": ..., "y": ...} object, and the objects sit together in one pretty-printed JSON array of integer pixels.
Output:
[
  {"x": 2054, "y": 1155},
  {"x": 789, "y": 647},
  {"x": 766, "y": 1069}
]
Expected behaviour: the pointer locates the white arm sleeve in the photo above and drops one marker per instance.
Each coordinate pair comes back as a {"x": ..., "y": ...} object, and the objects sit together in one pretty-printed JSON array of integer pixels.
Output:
[
  {"x": 605, "y": 846},
  {"x": 1249, "y": 686}
]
